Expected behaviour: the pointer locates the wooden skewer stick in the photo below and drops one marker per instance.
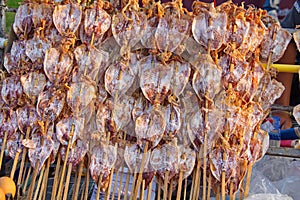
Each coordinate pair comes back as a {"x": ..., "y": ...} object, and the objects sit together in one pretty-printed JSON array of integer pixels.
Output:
[
  {"x": 223, "y": 184},
  {"x": 158, "y": 190},
  {"x": 115, "y": 184},
  {"x": 231, "y": 191},
  {"x": 61, "y": 184},
  {"x": 45, "y": 182},
  {"x": 121, "y": 175},
  {"x": 121, "y": 182},
  {"x": 107, "y": 194},
  {"x": 209, "y": 186},
  {"x": 127, "y": 186},
  {"x": 26, "y": 180},
  {"x": 149, "y": 190},
  {"x": 224, "y": 156},
  {"x": 35, "y": 173},
  {"x": 110, "y": 182},
  {"x": 3, "y": 148},
  {"x": 39, "y": 183},
  {"x": 166, "y": 181},
  {"x": 83, "y": 186},
  {"x": 233, "y": 196},
  {"x": 19, "y": 182},
  {"x": 196, "y": 186},
  {"x": 241, "y": 190},
  {"x": 248, "y": 180},
  {"x": 67, "y": 181},
  {"x": 249, "y": 169},
  {"x": 99, "y": 186},
  {"x": 74, "y": 182},
  {"x": 142, "y": 193},
  {"x": 170, "y": 190},
  {"x": 16, "y": 159},
  {"x": 87, "y": 182},
  {"x": 78, "y": 181},
  {"x": 133, "y": 183},
  {"x": 185, "y": 187},
  {"x": 205, "y": 130},
  {"x": 141, "y": 171},
  {"x": 204, "y": 157},
  {"x": 218, "y": 193},
  {"x": 193, "y": 184},
  {"x": 179, "y": 185},
  {"x": 56, "y": 175}
]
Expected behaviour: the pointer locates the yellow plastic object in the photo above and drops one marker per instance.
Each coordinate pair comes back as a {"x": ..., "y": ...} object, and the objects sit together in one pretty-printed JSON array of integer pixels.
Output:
[{"x": 285, "y": 67}]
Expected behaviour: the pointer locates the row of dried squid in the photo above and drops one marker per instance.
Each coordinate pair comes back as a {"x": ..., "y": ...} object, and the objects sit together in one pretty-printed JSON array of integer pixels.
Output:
[{"x": 154, "y": 88}]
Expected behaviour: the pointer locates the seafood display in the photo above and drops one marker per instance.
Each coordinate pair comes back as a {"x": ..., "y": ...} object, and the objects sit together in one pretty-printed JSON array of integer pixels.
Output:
[{"x": 152, "y": 90}]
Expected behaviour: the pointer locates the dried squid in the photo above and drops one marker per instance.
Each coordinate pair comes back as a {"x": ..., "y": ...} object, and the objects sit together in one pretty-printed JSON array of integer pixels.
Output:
[{"x": 67, "y": 18}]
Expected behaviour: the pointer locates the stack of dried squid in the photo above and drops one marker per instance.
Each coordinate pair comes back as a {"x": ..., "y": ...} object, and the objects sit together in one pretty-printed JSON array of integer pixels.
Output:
[{"x": 96, "y": 88}]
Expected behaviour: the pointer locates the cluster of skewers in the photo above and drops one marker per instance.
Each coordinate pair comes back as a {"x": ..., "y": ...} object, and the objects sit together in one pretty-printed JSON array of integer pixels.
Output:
[{"x": 96, "y": 87}]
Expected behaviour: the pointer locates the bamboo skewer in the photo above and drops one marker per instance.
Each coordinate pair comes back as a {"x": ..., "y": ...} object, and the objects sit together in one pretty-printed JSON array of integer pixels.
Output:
[
  {"x": 170, "y": 190},
  {"x": 141, "y": 171},
  {"x": 166, "y": 180},
  {"x": 142, "y": 193},
  {"x": 67, "y": 181},
  {"x": 121, "y": 182},
  {"x": 196, "y": 188},
  {"x": 204, "y": 158},
  {"x": 121, "y": 175},
  {"x": 127, "y": 186},
  {"x": 248, "y": 180},
  {"x": 45, "y": 182},
  {"x": 179, "y": 185},
  {"x": 60, "y": 188},
  {"x": 218, "y": 193},
  {"x": 193, "y": 184},
  {"x": 223, "y": 184},
  {"x": 233, "y": 196},
  {"x": 39, "y": 183},
  {"x": 82, "y": 193},
  {"x": 56, "y": 175},
  {"x": 158, "y": 191},
  {"x": 99, "y": 186},
  {"x": 205, "y": 130},
  {"x": 149, "y": 190},
  {"x": 209, "y": 186},
  {"x": 185, "y": 187},
  {"x": 3, "y": 148},
  {"x": 231, "y": 191},
  {"x": 115, "y": 185},
  {"x": 74, "y": 182},
  {"x": 19, "y": 182},
  {"x": 26, "y": 180},
  {"x": 110, "y": 182},
  {"x": 133, "y": 184},
  {"x": 16, "y": 159},
  {"x": 18, "y": 195},
  {"x": 78, "y": 181},
  {"x": 34, "y": 176},
  {"x": 87, "y": 181},
  {"x": 241, "y": 191},
  {"x": 111, "y": 171}
]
